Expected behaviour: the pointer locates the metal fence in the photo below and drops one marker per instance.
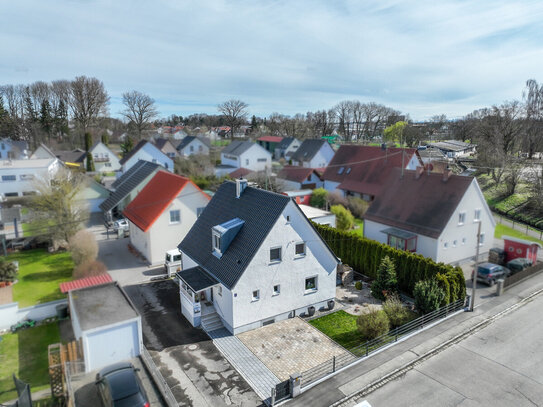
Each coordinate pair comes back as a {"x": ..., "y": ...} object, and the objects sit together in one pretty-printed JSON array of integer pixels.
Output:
[
  {"x": 72, "y": 370},
  {"x": 521, "y": 275},
  {"x": 158, "y": 378},
  {"x": 280, "y": 392},
  {"x": 369, "y": 347}
]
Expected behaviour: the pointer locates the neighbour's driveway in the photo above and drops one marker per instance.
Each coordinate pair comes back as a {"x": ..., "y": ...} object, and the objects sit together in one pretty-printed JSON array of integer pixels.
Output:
[{"x": 195, "y": 370}]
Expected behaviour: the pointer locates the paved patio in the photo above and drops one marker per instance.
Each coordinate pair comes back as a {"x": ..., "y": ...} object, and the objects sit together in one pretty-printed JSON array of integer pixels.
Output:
[
  {"x": 290, "y": 346},
  {"x": 6, "y": 295}
]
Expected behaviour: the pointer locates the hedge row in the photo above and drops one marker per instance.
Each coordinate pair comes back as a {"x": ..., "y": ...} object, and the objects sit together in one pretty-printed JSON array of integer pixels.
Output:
[
  {"x": 364, "y": 255},
  {"x": 528, "y": 219}
]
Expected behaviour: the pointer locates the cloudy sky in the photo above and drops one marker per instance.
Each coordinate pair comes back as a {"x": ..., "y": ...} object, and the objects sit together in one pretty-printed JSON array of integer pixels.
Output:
[{"x": 420, "y": 57}]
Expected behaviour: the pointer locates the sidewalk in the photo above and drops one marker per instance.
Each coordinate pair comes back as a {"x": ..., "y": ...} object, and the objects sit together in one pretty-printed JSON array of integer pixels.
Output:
[{"x": 368, "y": 371}]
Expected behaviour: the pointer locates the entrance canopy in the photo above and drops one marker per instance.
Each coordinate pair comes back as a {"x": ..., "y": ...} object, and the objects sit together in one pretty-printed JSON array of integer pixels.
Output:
[
  {"x": 197, "y": 278},
  {"x": 399, "y": 233}
]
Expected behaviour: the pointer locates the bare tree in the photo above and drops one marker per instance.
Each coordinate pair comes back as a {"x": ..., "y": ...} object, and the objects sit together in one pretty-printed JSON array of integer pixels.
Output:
[
  {"x": 88, "y": 100},
  {"x": 140, "y": 110},
  {"x": 235, "y": 113},
  {"x": 533, "y": 99}
]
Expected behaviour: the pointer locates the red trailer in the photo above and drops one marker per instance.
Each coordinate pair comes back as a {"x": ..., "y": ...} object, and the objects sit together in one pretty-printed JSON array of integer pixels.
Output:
[{"x": 515, "y": 248}]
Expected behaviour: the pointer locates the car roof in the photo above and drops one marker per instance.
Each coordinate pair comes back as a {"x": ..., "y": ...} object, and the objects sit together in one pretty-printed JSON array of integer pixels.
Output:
[
  {"x": 116, "y": 366},
  {"x": 122, "y": 383}
]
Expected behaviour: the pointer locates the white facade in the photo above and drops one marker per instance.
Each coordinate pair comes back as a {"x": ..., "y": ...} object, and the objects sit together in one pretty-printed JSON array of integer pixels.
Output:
[
  {"x": 458, "y": 240},
  {"x": 196, "y": 146},
  {"x": 149, "y": 152},
  {"x": 255, "y": 158},
  {"x": 163, "y": 234},
  {"x": 104, "y": 159},
  {"x": 19, "y": 177},
  {"x": 320, "y": 160},
  {"x": 15, "y": 151}
]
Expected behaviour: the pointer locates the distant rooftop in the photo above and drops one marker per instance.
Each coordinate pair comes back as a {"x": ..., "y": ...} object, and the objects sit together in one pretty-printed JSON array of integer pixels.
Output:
[{"x": 37, "y": 163}]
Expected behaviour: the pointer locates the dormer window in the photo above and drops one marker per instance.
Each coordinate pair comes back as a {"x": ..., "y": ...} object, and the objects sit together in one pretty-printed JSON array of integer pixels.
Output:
[
  {"x": 348, "y": 170},
  {"x": 340, "y": 171},
  {"x": 216, "y": 242},
  {"x": 222, "y": 235}
]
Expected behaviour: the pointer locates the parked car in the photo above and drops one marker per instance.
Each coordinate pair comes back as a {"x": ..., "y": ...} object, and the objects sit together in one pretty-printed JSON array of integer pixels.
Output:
[
  {"x": 518, "y": 264},
  {"x": 120, "y": 386},
  {"x": 489, "y": 272},
  {"x": 121, "y": 224}
]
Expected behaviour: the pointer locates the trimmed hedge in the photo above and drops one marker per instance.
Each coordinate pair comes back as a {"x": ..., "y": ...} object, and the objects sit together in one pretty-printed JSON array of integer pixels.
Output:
[{"x": 364, "y": 255}]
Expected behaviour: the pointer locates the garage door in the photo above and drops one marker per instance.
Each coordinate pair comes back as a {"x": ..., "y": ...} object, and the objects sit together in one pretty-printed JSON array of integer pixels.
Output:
[{"x": 111, "y": 345}]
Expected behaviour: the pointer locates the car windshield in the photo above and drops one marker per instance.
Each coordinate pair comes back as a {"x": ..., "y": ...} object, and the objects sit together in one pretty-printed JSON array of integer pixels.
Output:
[{"x": 122, "y": 384}]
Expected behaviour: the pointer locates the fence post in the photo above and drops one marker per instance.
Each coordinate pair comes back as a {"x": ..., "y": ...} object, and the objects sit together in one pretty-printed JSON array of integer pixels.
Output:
[
  {"x": 334, "y": 364},
  {"x": 273, "y": 391},
  {"x": 367, "y": 348}
]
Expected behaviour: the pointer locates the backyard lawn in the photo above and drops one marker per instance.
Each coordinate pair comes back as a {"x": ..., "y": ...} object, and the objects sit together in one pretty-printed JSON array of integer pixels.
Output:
[
  {"x": 25, "y": 354},
  {"x": 40, "y": 274},
  {"x": 341, "y": 327},
  {"x": 506, "y": 230},
  {"x": 360, "y": 229}
]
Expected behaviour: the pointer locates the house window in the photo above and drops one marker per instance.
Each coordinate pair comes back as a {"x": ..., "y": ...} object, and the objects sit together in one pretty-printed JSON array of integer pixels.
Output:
[
  {"x": 276, "y": 289},
  {"x": 299, "y": 250},
  {"x": 175, "y": 216},
  {"x": 219, "y": 290},
  {"x": 261, "y": 160},
  {"x": 247, "y": 161},
  {"x": 11, "y": 194},
  {"x": 463, "y": 240},
  {"x": 9, "y": 178},
  {"x": 108, "y": 164},
  {"x": 409, "y": 244},
  {"x": 454, "y": 243},
  {"x": 461, "y": 218},
  {"x": 256, "y": 295},
  {"x": 275, "y": 254},
  {"x": 200, "y": 148},
  {"x": 482, "y": 239},
  {"x": 216, "y": 241},
  {"x": 511, "y": 249},
  {"x": 348, "y": 170},
  {"x": 340, "y": 171},
  {"x": 446, "y": 245},
  {"x": 199, "y": 211},
  {"x": 311, "y": 284},
  {"x": 288, "y": 218},
  {"x": 26, "y": 177},
  {"x": 154, "y": 160},
  {"x": 477, "y": 216},
  {"x": 191, "y": 149}
]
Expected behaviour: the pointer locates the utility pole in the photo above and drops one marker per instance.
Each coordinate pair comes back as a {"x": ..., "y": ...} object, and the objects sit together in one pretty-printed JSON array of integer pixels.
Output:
[{"x": 474, "y": 278}]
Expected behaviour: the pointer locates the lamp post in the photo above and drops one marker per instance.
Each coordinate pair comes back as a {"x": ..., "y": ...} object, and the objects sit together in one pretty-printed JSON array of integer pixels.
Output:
[{"x": 474, "y": 278}]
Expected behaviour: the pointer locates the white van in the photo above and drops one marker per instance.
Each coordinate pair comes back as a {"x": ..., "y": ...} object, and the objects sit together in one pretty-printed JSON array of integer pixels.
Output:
[{"x": 173, "y": 262}]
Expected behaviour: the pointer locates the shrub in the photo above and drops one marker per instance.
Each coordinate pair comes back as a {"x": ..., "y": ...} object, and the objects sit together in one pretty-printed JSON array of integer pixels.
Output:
[
  {"x": 83, "y": 247},
  {"x": 318, "y": 197},
  {"x": 448, "y": 287},
  {"x": 344, "y": 217},
  {"x": 335, "y": 198},
  {"x": 358, "y": 285},
  {"x": 373, "y": 324},
  {"x": 89, "y": 268},
  {"x": 8, "y": 270},
  {"x": 386, "y": 279},
  {"x": 428, "y": 295},
  {"x": 357, "y": 206},
  {"x": 397, "y": 314}
]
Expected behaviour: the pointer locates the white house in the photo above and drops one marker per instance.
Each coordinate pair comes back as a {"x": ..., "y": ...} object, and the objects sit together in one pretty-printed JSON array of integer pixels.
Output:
[
  {"x": 162, "y": 213},
  {"x": 436, "y": 215},
  {"x": 19, "y": 177},
  {"x": 191, "y": 145},
  {"x": 243, "y": 154},
  {"x": 313, "y": 153},
  {"x": 104, "y": 159},
  {"x": 319, "y": 216},
  {"x": 295, "y": 178},
  {"x": 13, "y": 149},
  {"x": 252, "y": 258},
  {"x": 147, "y": 151},
  {"x": 454, "y": 148},
  {"x": 166, "y": 146},
  {"x": 287, "y": 147}
]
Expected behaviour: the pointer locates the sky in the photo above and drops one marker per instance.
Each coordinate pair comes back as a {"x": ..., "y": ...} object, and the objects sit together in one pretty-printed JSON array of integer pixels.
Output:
[{"x": 420, "y": 57}]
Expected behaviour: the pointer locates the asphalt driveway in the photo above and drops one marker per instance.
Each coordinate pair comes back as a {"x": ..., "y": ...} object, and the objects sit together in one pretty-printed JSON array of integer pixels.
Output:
[{"x": 195, "y": 370}]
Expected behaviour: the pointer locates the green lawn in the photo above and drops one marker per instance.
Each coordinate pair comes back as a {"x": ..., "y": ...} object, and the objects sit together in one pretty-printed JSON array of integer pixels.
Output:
[
  {"x": 341, "y": 327},
  {"x": 360, "y": 230},
  {"x": 40, "y": 274},
  {"x": 25, "y": 354},
  {"x": 506, "y": 230}
]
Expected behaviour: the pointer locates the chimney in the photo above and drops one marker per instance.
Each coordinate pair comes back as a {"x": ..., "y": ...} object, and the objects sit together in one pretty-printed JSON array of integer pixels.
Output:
[
  {"x": 241, "y": 184},
  {"x": 446, "y": 175},
  {"x": 420, "y": 171}
]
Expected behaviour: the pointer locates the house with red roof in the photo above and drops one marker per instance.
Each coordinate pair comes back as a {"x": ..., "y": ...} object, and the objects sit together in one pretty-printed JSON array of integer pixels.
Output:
[
  {"x": 270, "y": 143},
  {"x": 163, "y": 213},
  {"x": 362, "y": 171},
  {"x": 295, "y": 178}
]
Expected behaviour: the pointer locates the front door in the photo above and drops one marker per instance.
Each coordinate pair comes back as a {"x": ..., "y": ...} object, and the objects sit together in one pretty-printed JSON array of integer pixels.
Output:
[{"x": 211, "y": 295}]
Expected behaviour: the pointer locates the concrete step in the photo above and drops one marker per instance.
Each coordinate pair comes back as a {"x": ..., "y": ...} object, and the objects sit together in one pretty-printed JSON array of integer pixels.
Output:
[{"x": 213, "y": 326}]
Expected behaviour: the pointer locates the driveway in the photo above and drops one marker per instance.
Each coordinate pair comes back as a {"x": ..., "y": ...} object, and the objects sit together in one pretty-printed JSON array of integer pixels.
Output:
[{"x": 195, "y": 370}]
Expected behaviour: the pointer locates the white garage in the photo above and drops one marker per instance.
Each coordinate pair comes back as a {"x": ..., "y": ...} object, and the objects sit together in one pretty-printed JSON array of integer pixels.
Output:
[{"x": 107, "y": 324}]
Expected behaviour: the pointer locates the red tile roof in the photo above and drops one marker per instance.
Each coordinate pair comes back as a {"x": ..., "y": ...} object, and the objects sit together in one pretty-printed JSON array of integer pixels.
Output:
[
  {"x": 296, "y": 174},
  {"x": 240, "y": 172},
  {"x": 154, "y": 198},
  {"x": 85, "y": 282},
  {"x": 272, "y": 139}
]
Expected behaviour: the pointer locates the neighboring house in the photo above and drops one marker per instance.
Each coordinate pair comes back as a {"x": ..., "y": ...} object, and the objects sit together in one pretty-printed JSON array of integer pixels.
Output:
[
  {"x": 286, "y": 148},
  {"x": 300, "y": 197},
  {"x": 252, "y": 258},
  {"x": 191, "y": 145},
  {"x": 70, "y": 158},
  {"x": 436, "y": 215},
  {"x": 240, "y": 173},
  {"x": 166, "y": 146},
  {"x": 270, "y": 143},
  {"x": 243, "y": 154},
  {"x": 294, "y": 178},
  {"x": 454, "y": 148},
  {"x": 146, "y": 151},
  {"x": 92, "y": 195},
  {"x": 319, "y": 215},
  {"x": 104, "y": 159},
  {"x": 431, "y": 155},
  {"x": 163, "y": 213},
  {"x": 126, "y": 187},
  {"x": 19, "y": 177},
  {"x": 361, "y": 171},
  {"x": 13, "y": 149},
  {"x": 107, "y": 324},
  {"x": 313, "y": 153}
]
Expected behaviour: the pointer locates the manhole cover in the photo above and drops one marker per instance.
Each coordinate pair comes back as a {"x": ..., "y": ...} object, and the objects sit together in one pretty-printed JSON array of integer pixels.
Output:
[{"x": 193, "y": 347}]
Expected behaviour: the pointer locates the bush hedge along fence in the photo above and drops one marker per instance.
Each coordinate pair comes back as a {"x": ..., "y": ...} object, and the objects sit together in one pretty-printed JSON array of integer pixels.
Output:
[{"x": 364, "y": 255}]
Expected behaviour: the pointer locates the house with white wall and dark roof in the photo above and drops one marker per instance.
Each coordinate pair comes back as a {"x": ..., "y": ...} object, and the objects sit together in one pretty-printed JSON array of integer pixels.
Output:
[
  {"x": 313, "y": 153},
  {"x": 192, "y": 145},
  {"x": 252, "y": 258},
  {"x": 243, "y": 154},
  {"x": 147, "y": 151}
]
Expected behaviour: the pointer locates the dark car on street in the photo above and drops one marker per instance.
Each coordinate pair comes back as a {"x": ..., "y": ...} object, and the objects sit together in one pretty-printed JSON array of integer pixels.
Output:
[
  {"x": 120, "y": 386},
  {"x": 489, "y": 272},
  {"x": 518, "y": 264}
]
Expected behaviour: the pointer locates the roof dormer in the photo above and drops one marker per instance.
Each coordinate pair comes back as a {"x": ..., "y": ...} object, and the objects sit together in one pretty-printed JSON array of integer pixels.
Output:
[{"x": 222, "y": 235}]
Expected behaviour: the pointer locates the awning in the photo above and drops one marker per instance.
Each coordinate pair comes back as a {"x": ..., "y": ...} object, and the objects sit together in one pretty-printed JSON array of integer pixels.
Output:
[
  {"x": 403, "y": 234},
  {"x": 197, "y": 278}
]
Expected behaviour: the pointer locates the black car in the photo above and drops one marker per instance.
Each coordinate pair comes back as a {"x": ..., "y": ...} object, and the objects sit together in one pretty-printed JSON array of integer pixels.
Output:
[
  {"x": 489, "y": 272},
  {"x": 120, "y": 386},
  {"x": 518, "y": 264}
]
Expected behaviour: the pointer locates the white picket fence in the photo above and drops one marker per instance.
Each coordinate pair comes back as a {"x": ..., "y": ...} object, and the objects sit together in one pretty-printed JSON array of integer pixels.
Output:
[{"x": 11, "y": 313}]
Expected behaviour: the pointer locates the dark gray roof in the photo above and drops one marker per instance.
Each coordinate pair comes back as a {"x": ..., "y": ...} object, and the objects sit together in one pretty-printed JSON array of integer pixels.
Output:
[
  {"x": 73, "y": 156},
  {"x": 237, "y": 147},
  {"x": 285, "y": 143},
  {"x": 308, "y": 149},
  {"x": 128, "y": 182},
  {"x": 133, "y": 151},
  {"x": 197, "y": 278},
  {"x": 258, "y": 208},
  {"x": 185, "y": 142},
  {"x": 101, "y": 305}
]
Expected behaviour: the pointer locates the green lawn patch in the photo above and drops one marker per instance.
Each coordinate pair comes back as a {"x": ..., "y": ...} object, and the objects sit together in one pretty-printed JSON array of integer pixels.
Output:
[
  {"x": 360, "y": 229},
  {"x": 40, "y": 274},
  {"x": 25, "y": 354},
  {"x": 341, "y": 327},
  {"x": 506, "y": 230}
]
